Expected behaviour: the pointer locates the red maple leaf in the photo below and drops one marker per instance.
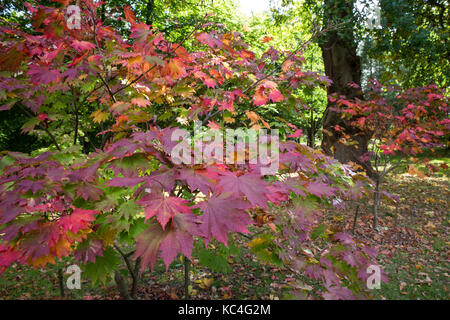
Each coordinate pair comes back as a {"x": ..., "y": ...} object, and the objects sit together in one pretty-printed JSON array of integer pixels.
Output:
[
  {"x": 297, "y": 134},
  {"x": 177, "y": 237},
  {"x": 77, "y": 220},
  {"x": 82, "y": 45},
  {"x": 43, "y": 75},
  {"x": 209, "y": 40},
  {"x": 125, "y": 182},
  {"x": 259, "y": 99},
  {"x": 276, "y": 96},
  {"x": 140, "y": 32},
  {"x": 141, "y": 102},
  {"x": 129, "y": 15},
  {"x": 89, "y": 250},
  {"x": 164, "y": 208}
]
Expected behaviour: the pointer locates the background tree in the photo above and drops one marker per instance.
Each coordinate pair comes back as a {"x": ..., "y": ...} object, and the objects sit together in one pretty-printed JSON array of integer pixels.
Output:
[{"x": 411, "y": 43}]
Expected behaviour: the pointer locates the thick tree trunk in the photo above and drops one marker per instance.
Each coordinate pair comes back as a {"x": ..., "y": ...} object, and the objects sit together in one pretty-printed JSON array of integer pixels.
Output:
[{"x": 342, "y": 66}]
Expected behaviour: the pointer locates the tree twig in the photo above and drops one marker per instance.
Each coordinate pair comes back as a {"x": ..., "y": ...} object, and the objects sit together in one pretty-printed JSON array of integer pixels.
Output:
[{"x": 40, "y": 125}]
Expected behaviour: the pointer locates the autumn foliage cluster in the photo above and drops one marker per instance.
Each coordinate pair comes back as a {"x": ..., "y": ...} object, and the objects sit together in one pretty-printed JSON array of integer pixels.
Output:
[{"x": 128, "y": 192}]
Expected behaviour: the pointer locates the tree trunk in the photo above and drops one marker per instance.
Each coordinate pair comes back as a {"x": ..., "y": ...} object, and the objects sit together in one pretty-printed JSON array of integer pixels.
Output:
[
  {"x": 187, "y": 277},
  {"x": 376, "y": 202},
  {"x": 121, "y": 286},
  {"x": 342, "y": 66},
  {"x": 149, "y": 11},
  {"x": 312, "y": 131},
  {"x": 61, "y": 283}
]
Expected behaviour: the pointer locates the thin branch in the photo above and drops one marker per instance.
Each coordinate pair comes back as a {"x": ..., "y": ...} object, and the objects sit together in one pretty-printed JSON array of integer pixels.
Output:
[
  {"x": 111, "y": 94},
  {"x": 127, "y": 261},
  {"x": 19, "y": 103},
  {"x": 99, "y": 49},
  {"x": 75, "y": 109},
  {"x": 134, "y": 286}
]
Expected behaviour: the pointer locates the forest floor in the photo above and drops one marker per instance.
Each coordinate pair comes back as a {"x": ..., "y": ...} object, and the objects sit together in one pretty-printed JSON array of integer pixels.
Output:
[{"x": 412, "y": 241}]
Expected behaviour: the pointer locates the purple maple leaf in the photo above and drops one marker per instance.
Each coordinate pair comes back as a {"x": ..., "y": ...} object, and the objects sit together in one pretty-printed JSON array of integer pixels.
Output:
[
  {"x": 320, "y": 189},
  {"x": 223, "y": 214},
  {"x": 248, "y": 185},
  {"x": 178, "y": 237}
]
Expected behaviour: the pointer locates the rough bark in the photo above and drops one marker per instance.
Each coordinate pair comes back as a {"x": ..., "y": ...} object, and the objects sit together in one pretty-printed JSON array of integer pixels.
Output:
[
  {"x": 342, "y": 66},
  {"x": 121, "y": 286},
  {"x": 312, "y": 131}
]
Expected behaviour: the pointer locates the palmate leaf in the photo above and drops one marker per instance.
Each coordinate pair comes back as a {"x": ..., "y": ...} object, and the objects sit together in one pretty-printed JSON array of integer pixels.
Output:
[
  {"x": 223, "y": 214},
  {"x": 320, "y": 189},
  {"x": 99, "y": 116},
  {"x": 176, "y": 238},
  {"x": 103, "y": 268},
  {"x": 266, "y": 250},
  {"x": 201, "y": 179},
  {"x": 217, "y": 257},
  {"x": 163, "y": 207},
  {"x": 216, "y": 262},
  {"x": 89, "y": 250},
  {"x": 129, "y": 209},
  {"x": 130, "y": 164},
  {"x": 82, "y": 45},
  {"x": 77, "y": 220},
  {"x": 249, "y": 185},
  {"x": 43, "y": 75}
]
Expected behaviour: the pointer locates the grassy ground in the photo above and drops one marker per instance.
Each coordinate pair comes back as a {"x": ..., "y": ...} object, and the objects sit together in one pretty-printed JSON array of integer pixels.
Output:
[
  {"x": 248, "y": 280},
  {"x": 413, "y": 242},
  {"x": 413, "y": 239}
]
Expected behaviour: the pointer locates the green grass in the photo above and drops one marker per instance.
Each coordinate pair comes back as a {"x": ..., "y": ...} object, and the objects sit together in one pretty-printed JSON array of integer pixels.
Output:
[
  {"x": 24, "y": 282},
  {"x": 421, "y": 282},
  {"x": 436, "y": 158}
]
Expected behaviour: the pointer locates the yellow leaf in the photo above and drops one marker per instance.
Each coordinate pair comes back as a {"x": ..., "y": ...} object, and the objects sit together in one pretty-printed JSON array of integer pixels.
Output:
[
  {"x": 206, "y": 283},
  {"x": 108, "y": 236},
  {"x": 256, "y": 242},
  {"x": 42, "y": 261},
  {"x": 62, "y": 247},
  {"x": 228, "y": 120},
  {"x": 99, "y": 116},
  {"x": 252, "y": 116},
  {"x": 430, "y": 225}
]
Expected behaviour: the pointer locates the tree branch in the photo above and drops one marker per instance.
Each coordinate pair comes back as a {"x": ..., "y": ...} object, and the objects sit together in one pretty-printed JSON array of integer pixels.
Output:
[{"x": 19, "y": 103}]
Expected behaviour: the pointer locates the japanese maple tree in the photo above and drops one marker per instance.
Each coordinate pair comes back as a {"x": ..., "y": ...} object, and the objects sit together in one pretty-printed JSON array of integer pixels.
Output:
[
  {"x": 400, "y": 124},
  {"x": 129, "y": 191}
]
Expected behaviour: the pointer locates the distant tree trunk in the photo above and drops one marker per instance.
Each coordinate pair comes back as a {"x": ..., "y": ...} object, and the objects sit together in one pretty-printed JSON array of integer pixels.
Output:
[
  {"x": 342, "y": 66},
  {"x": 312, "y": 131},
  {"x": 149, "y": 12},
  {"x": 103, "y": 12}
]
